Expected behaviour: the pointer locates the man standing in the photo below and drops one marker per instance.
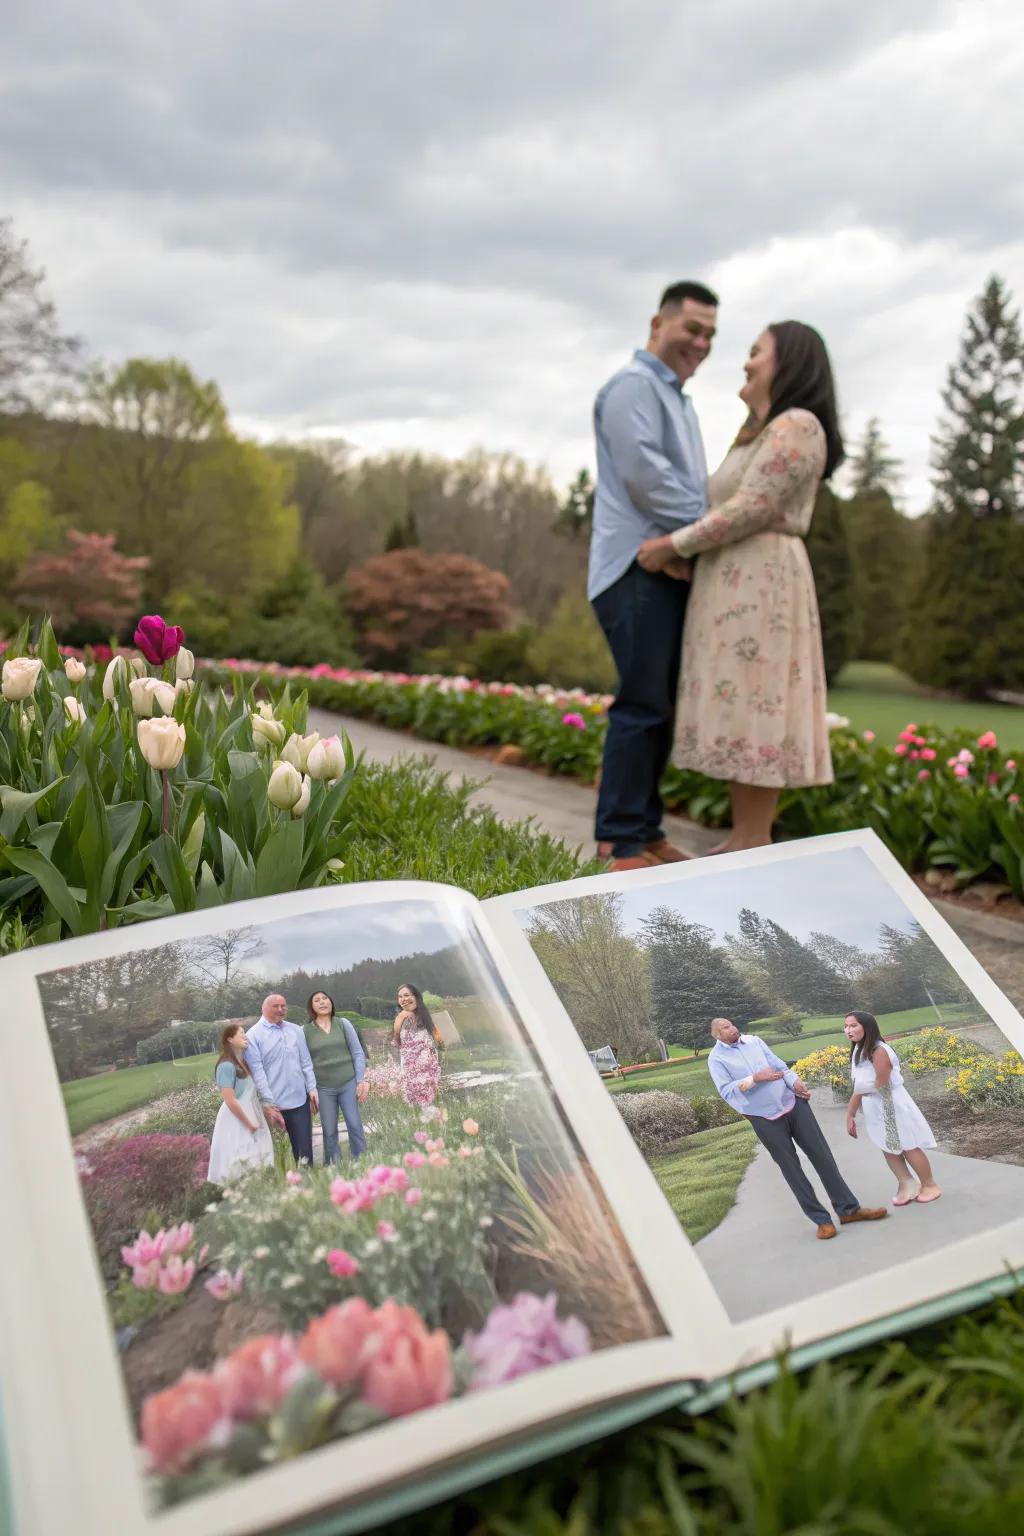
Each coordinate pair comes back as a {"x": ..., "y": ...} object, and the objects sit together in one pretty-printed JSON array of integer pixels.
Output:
[
  {"x": 757, "y": 1083},
  {"x": 278, "y": 1058},
  {"x": 651, "y": 479}
]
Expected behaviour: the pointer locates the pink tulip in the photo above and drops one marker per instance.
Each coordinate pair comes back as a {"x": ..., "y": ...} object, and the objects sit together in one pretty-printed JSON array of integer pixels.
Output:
[
  {"x": 146, "y": 1249},
  {"x": 465, "y": 1151},
  {"x": 961, "y": 770},
  {"x": 223, "y": 1285},
  {"x": 992, "y": 778},
  {"x": 414, "y": 1160},
  {"x": 914, "y": 754},
  {"x": 410, "y": 1368},
  {"x": 176, "y": 1276},
  {"x": 929, "y": 754},
  {"x": 987, "y": 739},
  {"x": 337, "y": 1345},
  {"x": 900, "y": 748},
  {"x": 146, "y": 1276},
  {"x": 293, "y": 1178},
  {"x": 420, "y": 1136},
  {"x": 180, "y": 1238},
  {"x": 869, "y": 735},
  {"x": 182, "y": 1420},
  {"x": 386, "y": 1231},
  {"x": 257, "y": 1377},
  {"x": 341, "y": 1264},
  {"x": 158, "y": 641},
  {"x": 437, "y": 1160},
  {"x": 341, "y": 1190},
  {"x": 575, "y": 720},
  {"x": 1011, "y": 766},
  {"x": 436, "y": 1146},
  {"x": 965, "y": 755},
  {"x": 924, "y": 773},
  {"x": 413, "y": 1196}
]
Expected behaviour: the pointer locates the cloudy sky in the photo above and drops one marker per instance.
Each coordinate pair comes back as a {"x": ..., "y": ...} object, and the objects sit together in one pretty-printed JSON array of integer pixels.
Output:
[
  {"x": 440, "y": 226},
  {"x": 334, "y": 941}
]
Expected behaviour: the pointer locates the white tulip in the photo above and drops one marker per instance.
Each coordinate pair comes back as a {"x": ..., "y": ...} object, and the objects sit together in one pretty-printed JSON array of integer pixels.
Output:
[
  {"x": 285, "y": 786},
  {"x": 266, "y": 728},
  {"x": 296, "y": 750},
  {"x": 184, "y": 685},
  {"x": 74, "y": 670},
  {"x": 20, "y": 676},
  {"x": 184, "y": 665},
  {"x": 73, "y": 710},
  {"x": 836, "y": 722},
  {"x": 302, "y": 803},
  {"x": 137, "y": 667},
  {"x": 162, "y": 742},
  {"x": 148, "y": 693},
  {"x": 326, "y": 760},
  {"x": 116, "y": 672}
]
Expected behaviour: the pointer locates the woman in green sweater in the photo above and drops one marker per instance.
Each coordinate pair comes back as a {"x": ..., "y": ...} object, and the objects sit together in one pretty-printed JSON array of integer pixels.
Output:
[{"x": 339, "y": 1065}]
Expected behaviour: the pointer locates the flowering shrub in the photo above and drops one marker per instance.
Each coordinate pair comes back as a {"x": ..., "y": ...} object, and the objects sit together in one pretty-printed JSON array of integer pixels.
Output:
[
  {"x": 140, "y": 1180},
  {"x": 189, "y": 1111},
  {"x": 931, "y": 1050},
  {"x": 522, "y": 1337},
  {"x": 829, "y": 1065},
  {"x": 997, "y": 1080},
  {"x": 936, "y": 798},
  {"x": 656, "y": 1119}
]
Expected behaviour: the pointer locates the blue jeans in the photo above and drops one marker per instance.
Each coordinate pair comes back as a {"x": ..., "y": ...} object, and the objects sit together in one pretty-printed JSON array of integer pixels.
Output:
[
  {"x": 642, "y": 618},
  {"x": 344, "y": 1099}
]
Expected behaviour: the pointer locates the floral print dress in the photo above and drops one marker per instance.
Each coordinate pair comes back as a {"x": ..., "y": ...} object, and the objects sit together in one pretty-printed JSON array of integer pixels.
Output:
[
  {"x": 421, "y": 1065},
  {"x": 751, "y": 704}
]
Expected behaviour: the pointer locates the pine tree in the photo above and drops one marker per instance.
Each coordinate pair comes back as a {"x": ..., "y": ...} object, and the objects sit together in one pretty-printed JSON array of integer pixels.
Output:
[
  {"x": 576, "y": 513},
  {"x": 872, "y": 468},
  {"x": 967, "y": 631},
  {"x": 832, "y": 563},
  {"x": 882, "y": 544},
  {"x": 403, "y": 533},
  {"x": 798, "y": 974},
  {"x": 691, "y": 981}
]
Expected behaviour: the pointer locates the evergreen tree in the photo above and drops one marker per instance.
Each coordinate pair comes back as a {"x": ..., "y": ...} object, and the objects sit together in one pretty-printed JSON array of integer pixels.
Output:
[
  {"x": 832, "y": 563},
  {"x": 691, "y": 981},
  {"x": 882, "y": 545},
  {"x": 967, "y": 632},
  {"x": 798, "y": 973},
  {"x": 576, "y": 512},
  {"x": 872, "y": 468},
  {"x": 403, "y": 533}
]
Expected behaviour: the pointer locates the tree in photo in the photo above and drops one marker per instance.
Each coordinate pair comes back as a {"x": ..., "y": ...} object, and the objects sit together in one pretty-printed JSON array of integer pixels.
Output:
[
  {"x": 884, "y": 546},
  {"x": 967, "y": 631},
  {"x": 692, "y": 981},
  {"x": 598, "y": 971},
  {"x": 218, "y": 957},
  {"x": 38, "y": 360},
  {"x": 576, "y": 512},
  {"x": 829, "y": 551},
  {"x": 797, "y": 975},
  {"x": 409, "y": 599},
  {"x": 90, "y": 590}
]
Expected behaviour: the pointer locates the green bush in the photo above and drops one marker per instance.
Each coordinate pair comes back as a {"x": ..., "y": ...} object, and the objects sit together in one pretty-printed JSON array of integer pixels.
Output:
[
  {"x": 711, "y": 1111},
  {"x": 571, "y": 651}
]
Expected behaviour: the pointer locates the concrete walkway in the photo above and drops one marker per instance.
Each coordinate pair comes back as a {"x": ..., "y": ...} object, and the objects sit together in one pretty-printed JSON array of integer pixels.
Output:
[
  {"x": 792, "y": 1263},
  {"x": 565, "y": 808}
]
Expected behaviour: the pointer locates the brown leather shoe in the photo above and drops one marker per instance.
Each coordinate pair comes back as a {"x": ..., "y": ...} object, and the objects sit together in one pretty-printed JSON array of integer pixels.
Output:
[
  {"x": 636, "y": 861},
  {"x": 864, "y": 1213},
  {"x": 825, "y": 1231},
  {"x": 666, "y": 852}
]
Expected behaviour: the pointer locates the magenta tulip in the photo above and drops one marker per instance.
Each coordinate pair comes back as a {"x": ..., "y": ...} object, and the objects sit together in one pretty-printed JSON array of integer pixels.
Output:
[{"x": 158, "y": 641}]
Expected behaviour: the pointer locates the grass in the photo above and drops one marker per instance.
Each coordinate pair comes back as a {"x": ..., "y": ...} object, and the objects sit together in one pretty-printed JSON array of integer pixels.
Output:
[
  {"x": 877, "y": 697},
  {"x": 700, "y": 1181},
  {"x": 91, "y": 1100}
]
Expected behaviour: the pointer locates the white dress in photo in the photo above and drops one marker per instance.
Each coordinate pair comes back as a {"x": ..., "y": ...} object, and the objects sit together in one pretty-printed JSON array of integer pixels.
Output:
[
  {"x": 891, "y": 1118},
  {"x": 233, "y": 1149}
]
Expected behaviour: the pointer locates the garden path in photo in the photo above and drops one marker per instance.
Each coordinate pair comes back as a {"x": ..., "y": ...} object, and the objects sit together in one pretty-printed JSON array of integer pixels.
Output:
[{"x": 792, "y": 1263}]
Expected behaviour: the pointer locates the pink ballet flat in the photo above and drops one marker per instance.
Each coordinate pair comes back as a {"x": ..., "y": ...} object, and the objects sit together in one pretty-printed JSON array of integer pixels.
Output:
[
  {"x": 927, "y": 1199},
  {"x": 904, "y": 1200}
]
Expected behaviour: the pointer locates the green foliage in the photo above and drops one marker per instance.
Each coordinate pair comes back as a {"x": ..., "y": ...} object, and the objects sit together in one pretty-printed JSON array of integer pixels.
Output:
[
  {"x": 500, "y": 656},
  {"x": 570, "y": 651},
  {"x": 828, "y": 548},
  {"x": 885, "y": 546},
  {"x": 90, "y": 1101},
  {"x": 692, "y": 980}
]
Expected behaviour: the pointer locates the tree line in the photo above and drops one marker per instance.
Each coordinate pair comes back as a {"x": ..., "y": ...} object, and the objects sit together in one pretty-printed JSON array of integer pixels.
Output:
[
  {"x": 675, "y": 975},
  {"x": 124, "y": 487}
]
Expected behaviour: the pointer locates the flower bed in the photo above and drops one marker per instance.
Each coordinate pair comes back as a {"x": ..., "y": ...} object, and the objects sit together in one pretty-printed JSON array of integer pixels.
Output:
[{"x": 937, "y": 799}]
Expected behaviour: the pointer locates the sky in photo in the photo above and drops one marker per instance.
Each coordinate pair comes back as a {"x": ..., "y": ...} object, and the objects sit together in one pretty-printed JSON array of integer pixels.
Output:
[
  {"x": 441, "y": 226},
  {"x": 334, "y": 941}
]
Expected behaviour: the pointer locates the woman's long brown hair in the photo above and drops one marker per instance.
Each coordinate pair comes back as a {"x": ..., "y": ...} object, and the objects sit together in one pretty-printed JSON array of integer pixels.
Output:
[{"x": 227, "y": 1054}]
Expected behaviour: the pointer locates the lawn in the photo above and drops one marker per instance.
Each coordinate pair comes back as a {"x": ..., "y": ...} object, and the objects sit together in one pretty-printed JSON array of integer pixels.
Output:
[
  {"x": 90, "y": 1100},
  {"x": 700, "y": 1181},
  {"x": 877, "y": 697}
]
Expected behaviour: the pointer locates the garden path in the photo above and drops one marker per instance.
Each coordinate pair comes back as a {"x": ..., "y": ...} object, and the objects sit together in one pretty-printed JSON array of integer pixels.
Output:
[{"x": 791, "y": 1262}]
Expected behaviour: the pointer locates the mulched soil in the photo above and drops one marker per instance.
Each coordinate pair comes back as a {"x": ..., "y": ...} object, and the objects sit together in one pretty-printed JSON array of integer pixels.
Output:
[{"x": 996, "y": 1134}]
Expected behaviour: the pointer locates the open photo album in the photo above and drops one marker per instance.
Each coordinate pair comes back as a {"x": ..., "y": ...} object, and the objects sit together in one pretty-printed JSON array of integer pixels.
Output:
[{"x": 579, "y": 1153}]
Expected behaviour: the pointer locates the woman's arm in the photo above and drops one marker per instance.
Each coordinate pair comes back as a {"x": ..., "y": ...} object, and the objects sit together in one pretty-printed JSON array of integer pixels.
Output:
[
  {"x": 882, "y": 1065},
  {"x": 787, "y": 463},
  {"x": 851, "y": 1115},
  {"x": 230, "y": 1099}
]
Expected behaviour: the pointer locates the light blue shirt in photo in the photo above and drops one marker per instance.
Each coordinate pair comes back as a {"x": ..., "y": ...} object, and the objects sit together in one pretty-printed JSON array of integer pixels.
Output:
[
  {"x": 278, "y": 1058},
  {"x": 652, "y": 476},
  {"x": 730, "y": 1064}
]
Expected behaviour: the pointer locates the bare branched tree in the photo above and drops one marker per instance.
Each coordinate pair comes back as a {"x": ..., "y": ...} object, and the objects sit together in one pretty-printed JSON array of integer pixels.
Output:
[{"x": 37, "y": 361}]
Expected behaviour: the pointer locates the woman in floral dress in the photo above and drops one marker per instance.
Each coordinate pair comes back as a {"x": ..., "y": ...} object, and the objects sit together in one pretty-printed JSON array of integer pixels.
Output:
[
  {"x": 751, "y": 705},
  {"x": 417, "y": 1040}
]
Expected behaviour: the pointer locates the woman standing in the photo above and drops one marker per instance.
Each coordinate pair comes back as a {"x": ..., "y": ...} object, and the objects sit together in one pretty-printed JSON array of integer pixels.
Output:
[
  {"x": 891, "y": 1118},
  {"x": 241, "y": 1139},
  {"x": 751, "y": 705},
  {"x": 339, "y": 1066},
  {"x": 418, "y": 1040}
]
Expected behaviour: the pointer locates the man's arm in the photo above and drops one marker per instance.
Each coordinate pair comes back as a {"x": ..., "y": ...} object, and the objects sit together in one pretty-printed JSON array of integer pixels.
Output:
[
  {"x": 728, "y": 1088},
  {"x": 631, "y": 424},
  {"x": 254, "y": 1061},
  {"x": 306, "y": 1063},
  {"x": 771, "y": 1060}
]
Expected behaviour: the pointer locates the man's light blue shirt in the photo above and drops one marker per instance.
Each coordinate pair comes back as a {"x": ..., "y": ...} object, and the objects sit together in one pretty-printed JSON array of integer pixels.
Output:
[
  {"x": 730, "y": 1064},
  {"x": 278, "y": 1058},
  {"x": 652, "y": 476}
]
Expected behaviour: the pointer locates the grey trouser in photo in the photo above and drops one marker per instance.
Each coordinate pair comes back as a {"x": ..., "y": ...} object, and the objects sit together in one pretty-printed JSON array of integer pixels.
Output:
[{"x": 799, "y": 1128}]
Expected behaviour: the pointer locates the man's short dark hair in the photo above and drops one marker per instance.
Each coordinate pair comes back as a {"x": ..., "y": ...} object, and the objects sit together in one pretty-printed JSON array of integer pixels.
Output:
[{"x": 675, "y": 293}]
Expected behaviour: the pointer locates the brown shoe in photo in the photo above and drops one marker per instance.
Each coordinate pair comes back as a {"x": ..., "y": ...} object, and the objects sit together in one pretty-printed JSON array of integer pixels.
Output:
[
  {"x": 864, "y": 1213},
  {"x": 827, "y": 1230},
  {"x": 666, "y": 852},
  {"x": 635, "y": 861}
]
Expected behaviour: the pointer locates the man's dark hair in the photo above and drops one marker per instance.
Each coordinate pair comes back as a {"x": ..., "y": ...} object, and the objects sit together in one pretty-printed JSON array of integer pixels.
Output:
[{"x": 675, "y": 293}]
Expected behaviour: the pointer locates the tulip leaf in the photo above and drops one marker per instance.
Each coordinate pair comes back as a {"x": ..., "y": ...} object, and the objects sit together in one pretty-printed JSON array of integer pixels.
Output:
[
  {"x": 279, "y": 866},
  {"x": 47, "y": 648},
  {"x": 124, "y": 821},
  {"x": 49, "y": 880},
  {"x": 239, "y": 875},
  {"x": 16, "y": 805},
  {"x": 193, "y": 845},
  {"x": 165, "y": 857}
]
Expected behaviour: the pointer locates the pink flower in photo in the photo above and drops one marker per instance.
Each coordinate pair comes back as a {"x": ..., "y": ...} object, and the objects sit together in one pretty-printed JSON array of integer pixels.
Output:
[
  {"x": 965, "y": 755},
  {"x": 293, "y": 1177},
  {"x": 928, "y": 754},
  {"x": 987, "y": 739},
  {"x": 223, "y": 1285},
  {"x": 961, "y": 770},
  {"x": 338, "y": 1345},
  {"x": 437, "y": 1160},
  {"x": 341, "y": 1190},
  {"x": 575, "y": 720},
  {"x": 145, "y": 1249},
  {"x": 387, "y": 1231},
  {"x": 179, "y": 1239},
  {"x": 181, "y": 1421},
  {"x": 341, "y": 1264},
  {"x": 414, "y": 1160},
  {"x": 521, "y": 1338},
  {"x": 1011, "y": 766},
  {"x": 410, "y": 1368},
  {"x": 158, "y": 641},
  {"x": 436, "y": 1146},
  {"x": 413, "y": 1196},
  {"x": 869, "y": 735},
  {"x": 914, "y": 754},
  {"x": 176, "y": 1275},
  {"x": 900, "y": 749},
  {"x": 924, "y": 773},
  {"x": 992, "y": 778},
  {"x": 465, "y": 1151},
  {"x": 146, "y": 1276},
  {"x": 421, "y": 1136},
  {"x": 470, "y": 1127},
  {"x": 1013, "y": 799},
  {"x": 258, "y": 1376}
]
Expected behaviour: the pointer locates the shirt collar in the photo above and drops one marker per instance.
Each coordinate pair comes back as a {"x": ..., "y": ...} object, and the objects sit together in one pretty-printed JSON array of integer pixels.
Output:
[
  {"x": 743, "y": 1040},
  {"x": 655, "y": 364},
  {"x": 270, "y": 1023}
]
